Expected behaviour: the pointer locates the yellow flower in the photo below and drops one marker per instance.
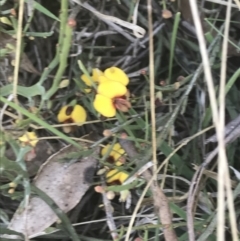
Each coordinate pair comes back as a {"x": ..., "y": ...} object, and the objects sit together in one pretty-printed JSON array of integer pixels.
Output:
[
  {"x": 29, "y": 138},
  {"x": 116, "y": 175},
  {"x": 104, "y": 106},
  {"x": 72, "y": 114},
  {"x": 111, "y": 89},
  {"x": 116, "y": 74},
  {"x": 116, "y": 152},
  {"x": 96, "y": 74},
  {"x": 110, "y": 93}
]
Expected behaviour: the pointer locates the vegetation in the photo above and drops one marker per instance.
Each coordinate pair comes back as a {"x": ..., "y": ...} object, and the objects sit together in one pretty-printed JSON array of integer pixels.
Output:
[{"x": 146, "y": 92}]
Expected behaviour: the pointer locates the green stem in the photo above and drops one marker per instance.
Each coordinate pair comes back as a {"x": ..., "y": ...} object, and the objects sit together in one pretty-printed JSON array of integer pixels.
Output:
[
  {"x": 173, "y": 42},
  {"x": 64, "y": 45},
  {"x": 63, "y": 55}
]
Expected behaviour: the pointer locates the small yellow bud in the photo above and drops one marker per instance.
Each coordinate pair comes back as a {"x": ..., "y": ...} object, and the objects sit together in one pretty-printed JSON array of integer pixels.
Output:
[
  {"x": 166, "y": 14},
  {"x": 12, "y": 184},
  {"x": 107, "y": 133},
  {"x": 11, "y": 190},
  {"x": 110, "y": 195}
]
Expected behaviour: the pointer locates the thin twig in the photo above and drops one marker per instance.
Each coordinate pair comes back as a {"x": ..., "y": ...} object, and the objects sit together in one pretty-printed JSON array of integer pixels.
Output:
[
  {"x": 223, "y": 171},
  {"x": 109, "y": 217},
  {"x": 152, "y": 90},
  {"x": 222, "y": 158}
]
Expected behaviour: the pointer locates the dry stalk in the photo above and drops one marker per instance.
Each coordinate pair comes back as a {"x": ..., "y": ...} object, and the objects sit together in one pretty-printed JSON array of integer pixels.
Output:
[{"x": 160, "y": 201}]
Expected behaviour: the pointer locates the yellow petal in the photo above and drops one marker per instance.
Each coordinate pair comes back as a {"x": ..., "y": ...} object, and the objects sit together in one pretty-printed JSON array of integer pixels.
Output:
[
  {"x": 102, "y": 79},
  {"x": 113, "y": 175},
  {"x": 111, "y": 89},
  {"x": 78, "y": 114},
  {"x": 123, "y": 177},
  {"x": 116, "y": 74},
  {"x": 116, "y": 175},
  {"x": 115, "y": 147},
  {"x": 104, "y": 106},
  {"x": 117, "y": 154},
  {"x": 86, "y": 80},
  {"x": 62, "y": 116},
  {"x": 96, "y": 74},
  {"x": 105, "y": 149},
  {"x": 29, "y": 137}
]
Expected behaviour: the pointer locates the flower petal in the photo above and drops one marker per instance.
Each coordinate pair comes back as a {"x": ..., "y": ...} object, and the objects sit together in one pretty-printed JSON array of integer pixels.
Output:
[
  {"x": 79, "y": 114},
  {"x": 102, "y": 79},
  {"x": 62, "y": 115},
  {"x": 96, "y": 74},
  {"x": 86, "y": 80},
  {"x": 116, "y": 175},
  {"x": 123, "y": 177},
  {"x": 116, "y": 74},
  {"x": 105, "y": 149},
  {"x": 111, "y": 89},
  {"x": 29, "y": 137},
  {"x": 117, "y": 154},
  {"x": 104, "y": 106},
  {"x": 117, "y": 147},
  {"x": 113, "y": 175}
]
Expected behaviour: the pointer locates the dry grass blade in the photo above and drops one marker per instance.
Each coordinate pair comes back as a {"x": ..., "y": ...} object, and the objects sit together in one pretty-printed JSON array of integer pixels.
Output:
[
  {"x": 18, "y": 52},
  {"x": 223, "y": 171},
  {"x": 237, "y": 5},
  {"x": 152, "y": 88}
]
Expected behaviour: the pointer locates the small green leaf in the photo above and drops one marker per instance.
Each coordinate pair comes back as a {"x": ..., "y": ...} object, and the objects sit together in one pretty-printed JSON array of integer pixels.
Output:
[
  {"x": 43, "y": 10},
  {"x": 119, "y": 188}
]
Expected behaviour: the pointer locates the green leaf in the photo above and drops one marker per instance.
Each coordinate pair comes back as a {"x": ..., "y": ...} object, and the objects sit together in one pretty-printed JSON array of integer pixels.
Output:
[
  {"x": 43, "y": 10},
  {"x": 119, "y": 188},
  {"x": 4, "y": 230},
  {"x": 3, "y": 216},
  {"x": 176, "y": 160},
  {"x": 27, "y": 92},
  {"x": 75, "y": 156},
  {"x": 8, "y": 165}
]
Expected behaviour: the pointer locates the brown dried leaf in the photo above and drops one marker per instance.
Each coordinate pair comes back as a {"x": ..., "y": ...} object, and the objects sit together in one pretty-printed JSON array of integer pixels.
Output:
[{"x": 65, "y": 183}]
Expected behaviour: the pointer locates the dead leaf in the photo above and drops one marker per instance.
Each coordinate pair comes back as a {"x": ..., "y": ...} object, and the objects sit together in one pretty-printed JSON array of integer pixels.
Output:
[{"x": 64, "y": 182}]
